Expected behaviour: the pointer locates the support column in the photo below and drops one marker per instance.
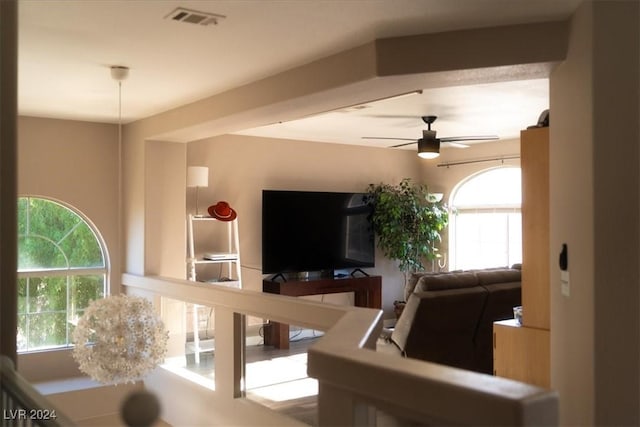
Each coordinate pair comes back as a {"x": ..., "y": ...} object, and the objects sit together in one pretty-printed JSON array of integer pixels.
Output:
[
  {"x": 229, "y": 352},
  {"x": 8, "y": 192}
]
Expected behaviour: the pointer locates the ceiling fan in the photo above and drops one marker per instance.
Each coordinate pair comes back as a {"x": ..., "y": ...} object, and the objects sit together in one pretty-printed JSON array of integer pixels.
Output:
[{"x": 429, "y": 145}]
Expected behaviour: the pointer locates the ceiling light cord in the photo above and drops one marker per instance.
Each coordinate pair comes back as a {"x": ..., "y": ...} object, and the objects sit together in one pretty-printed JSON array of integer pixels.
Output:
[
  {"x": 119, "y": 73},
  {"x": 120, "y": 181},
  {"x": 119, "y": 112}
]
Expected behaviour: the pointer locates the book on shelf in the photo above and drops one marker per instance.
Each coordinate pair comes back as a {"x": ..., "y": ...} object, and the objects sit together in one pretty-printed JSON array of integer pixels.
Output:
[{"x": 220, "y": 256}]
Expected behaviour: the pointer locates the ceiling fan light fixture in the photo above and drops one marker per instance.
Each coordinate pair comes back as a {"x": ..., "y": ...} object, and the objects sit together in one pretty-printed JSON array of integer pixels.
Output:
[
  {"x": 428, "y": 156},
  {"x": 428, "y": 148}
]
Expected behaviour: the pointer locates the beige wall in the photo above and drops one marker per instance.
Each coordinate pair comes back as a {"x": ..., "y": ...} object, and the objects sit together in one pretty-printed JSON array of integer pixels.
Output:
[
  {"x": 572, "y": 319},
  {"x": 616, "y": 153},
  {"x": 594, "y": 210},
  {"x": 165, "y": 184},
  {"x": 165, "y": 238},
  {"x": 241, "y": 167},
  {"x": 76, "y": 163},
  {"x": 133, "y": 197}
]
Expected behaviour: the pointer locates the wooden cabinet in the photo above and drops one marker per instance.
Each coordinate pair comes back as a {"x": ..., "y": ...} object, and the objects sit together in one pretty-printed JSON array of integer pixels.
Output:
[
  {"x": 534, "y": 162},
  {"x": 367, "y": 293},
  {"x": 521, "y": 352}
]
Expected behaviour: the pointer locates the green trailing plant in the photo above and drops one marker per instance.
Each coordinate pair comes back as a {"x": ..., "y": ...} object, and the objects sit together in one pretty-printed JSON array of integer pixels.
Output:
[{"x": 407, "y": 222}]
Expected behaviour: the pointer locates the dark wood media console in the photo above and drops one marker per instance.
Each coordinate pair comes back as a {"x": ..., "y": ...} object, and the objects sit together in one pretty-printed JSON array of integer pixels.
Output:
[{"x": 367, "y": 291}]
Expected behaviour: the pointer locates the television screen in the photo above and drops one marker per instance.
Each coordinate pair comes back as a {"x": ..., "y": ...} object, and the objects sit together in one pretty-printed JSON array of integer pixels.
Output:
[{"x": 315, "y": 231}]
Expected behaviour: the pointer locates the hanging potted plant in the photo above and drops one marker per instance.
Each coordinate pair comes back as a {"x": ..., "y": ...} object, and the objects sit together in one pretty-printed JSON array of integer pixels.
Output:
[{"x": 408, "y": 223}]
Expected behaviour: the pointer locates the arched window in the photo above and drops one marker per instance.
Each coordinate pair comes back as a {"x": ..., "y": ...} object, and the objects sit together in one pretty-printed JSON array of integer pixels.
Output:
[
  {"x": 486, "y": 227},
  {"x": 62, "y": 266}
]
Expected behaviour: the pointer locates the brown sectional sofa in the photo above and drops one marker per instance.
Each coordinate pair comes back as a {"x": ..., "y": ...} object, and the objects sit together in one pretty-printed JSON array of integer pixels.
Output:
[{"x": 448, "y": 318}]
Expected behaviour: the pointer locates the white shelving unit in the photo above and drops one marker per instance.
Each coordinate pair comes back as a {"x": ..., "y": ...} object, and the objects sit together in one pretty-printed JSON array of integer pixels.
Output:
[
  {"x": 228, "y": 258},
  {"x": 222, "y": 251}
]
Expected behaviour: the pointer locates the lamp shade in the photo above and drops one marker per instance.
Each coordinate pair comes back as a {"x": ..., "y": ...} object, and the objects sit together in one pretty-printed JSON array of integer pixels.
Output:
[{"x": 197, "y": 176}]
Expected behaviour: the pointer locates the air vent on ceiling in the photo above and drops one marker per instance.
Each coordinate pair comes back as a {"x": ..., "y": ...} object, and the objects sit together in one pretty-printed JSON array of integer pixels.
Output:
[
  {"x": 194, "y": 17},
  {"x": 354, "y": 108}
]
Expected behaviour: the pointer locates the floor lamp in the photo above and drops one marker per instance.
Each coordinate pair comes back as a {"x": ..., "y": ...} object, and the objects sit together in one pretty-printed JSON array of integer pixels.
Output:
[{"x": 197, "y": 176}]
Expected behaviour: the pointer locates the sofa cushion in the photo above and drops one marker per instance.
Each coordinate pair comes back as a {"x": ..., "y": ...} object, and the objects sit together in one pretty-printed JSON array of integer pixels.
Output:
[
  {"x": 443, "y": 281},
  {"x": 502, "y": 275},
  {"x": 412, "y": 281}
]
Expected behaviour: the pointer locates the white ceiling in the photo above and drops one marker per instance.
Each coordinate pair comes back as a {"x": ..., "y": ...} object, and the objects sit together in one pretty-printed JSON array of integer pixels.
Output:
[
  {"x": 501, "y": 109},
  {"x": 67, "y": 47}
]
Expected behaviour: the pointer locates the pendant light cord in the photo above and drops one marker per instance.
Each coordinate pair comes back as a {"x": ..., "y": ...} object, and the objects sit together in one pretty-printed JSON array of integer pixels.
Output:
[
  {"x": 119, "y": 73},
  {"x": 119, "y": 112},
  {"x": 120, "y": 183}
]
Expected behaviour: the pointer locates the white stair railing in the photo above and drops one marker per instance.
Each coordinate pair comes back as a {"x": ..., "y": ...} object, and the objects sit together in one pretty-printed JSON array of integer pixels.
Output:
[
  {"x": 22, "y": 405},
  {"x": 355, "y": 382}
]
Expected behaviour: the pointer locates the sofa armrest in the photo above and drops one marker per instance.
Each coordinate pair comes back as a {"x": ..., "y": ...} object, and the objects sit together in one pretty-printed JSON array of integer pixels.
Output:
[
  {"x": 440, "y": 326},
  {"x": 405, "y": 322}
]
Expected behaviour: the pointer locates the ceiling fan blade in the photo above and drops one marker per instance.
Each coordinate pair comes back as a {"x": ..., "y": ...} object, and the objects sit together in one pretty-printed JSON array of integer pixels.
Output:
[
  {"x": 469, "y": 138},
  {"x": 403, "y": 145},
  {"x": 413, "y": 140},
  {"x": 384, "y": 137},
  {"x": 393, "y": 116},
  {"x": 455, "y": 144}
]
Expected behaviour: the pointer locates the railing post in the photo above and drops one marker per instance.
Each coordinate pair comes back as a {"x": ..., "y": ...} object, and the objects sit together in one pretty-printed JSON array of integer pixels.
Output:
[
  {"x": 22, "y": 404},
  {"x": 229, "y": 352},
  {"x": 338, "y": 407}
]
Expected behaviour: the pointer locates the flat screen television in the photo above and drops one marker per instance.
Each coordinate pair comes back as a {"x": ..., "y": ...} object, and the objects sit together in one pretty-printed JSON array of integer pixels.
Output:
[{"x": 312, "y": 231}]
